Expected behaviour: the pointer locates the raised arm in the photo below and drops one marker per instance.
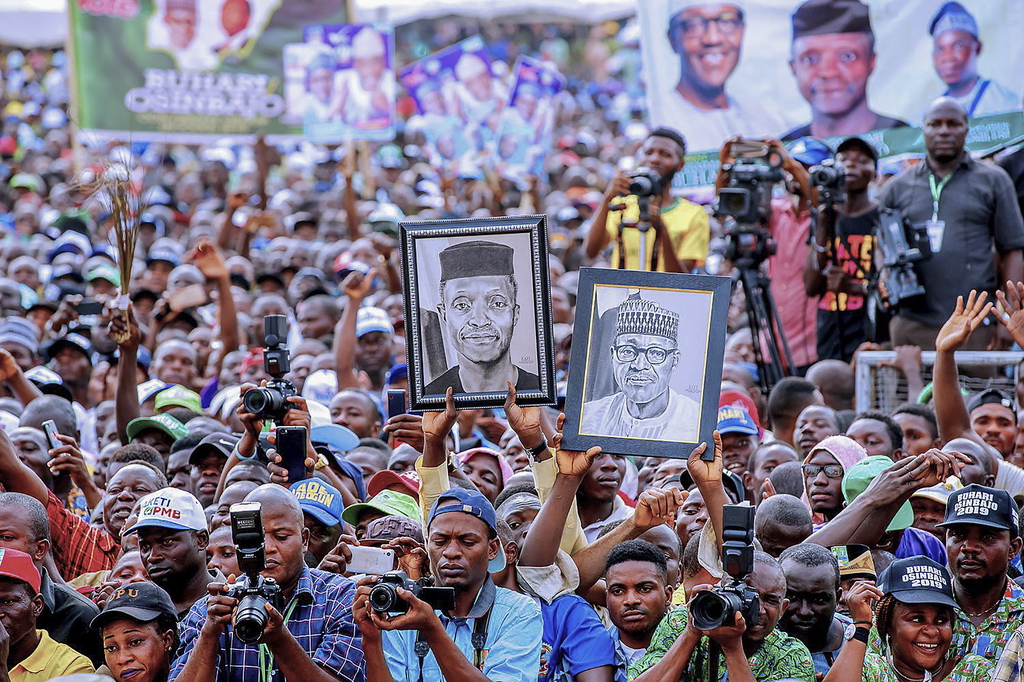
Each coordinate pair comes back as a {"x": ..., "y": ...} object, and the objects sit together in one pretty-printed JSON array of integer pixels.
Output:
[
  {"x": 357, "y": 287},
  {"x": 543, "y": 540},
  {"x": 433, "y": 466},
  {"x": 126, "y": 394},
  {"x": 15, "y": 476},
  {"x": 950, "y": 409},
  {"x": 654, "y": 507},
  {"x": 210, "y": 261},
  {"x": 10, "y": 373},
  {"x": 708, "y": 477}
]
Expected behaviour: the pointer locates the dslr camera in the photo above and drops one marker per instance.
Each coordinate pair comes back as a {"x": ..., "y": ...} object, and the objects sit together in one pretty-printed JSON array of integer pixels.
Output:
[
  {"x": 271, "y": 401},
  {"x": 384, "y": 593},
  {"x": 644, "y": 182},
  {"x": 252, "y": 591},
  {"x": 830, "y": 180},
  {"x": 900, "y": 246},
  {"x": 719, "y": 605}
]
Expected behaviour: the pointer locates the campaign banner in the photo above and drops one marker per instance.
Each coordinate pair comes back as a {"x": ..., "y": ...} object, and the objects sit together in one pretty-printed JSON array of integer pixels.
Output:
[
  {"x": 527, "y": 123},
  {"x": 787, "y": 69},
  {"x": 340, "y": 83},
  {"x": 459, "y": 98},
  {"x": 187, "y": 71}
]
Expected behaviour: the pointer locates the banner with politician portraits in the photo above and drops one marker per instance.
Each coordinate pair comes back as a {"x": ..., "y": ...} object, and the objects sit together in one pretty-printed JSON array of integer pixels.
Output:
[{"x": 830, "y": 69}]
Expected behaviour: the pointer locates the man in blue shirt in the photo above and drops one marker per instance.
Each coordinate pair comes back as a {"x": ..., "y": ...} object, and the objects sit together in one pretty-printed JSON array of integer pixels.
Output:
[
  {"x": 492, "y": 634},
  {"x": 312, "y": 638}
]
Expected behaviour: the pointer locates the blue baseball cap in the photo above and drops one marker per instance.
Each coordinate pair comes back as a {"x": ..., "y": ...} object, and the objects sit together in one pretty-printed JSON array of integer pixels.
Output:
[
  {"x": 809, "y": 151},
  {"x": 334, "y": 436},
  {"x": 735, "y": 419},
  {"x": 473, "y": 503},
  {"x": 321, "y": 500}
]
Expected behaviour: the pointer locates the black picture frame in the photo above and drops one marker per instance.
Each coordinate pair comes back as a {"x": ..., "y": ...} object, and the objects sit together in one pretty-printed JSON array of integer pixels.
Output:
[
  {"x": 430, "y": 349},
  {"x": 595, "y": 406}
]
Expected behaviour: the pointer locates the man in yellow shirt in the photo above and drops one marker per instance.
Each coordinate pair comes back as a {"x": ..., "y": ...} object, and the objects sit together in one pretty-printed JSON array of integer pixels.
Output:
[
  {"x": 680, "y": 227},
  {"x": 32, "y": 656}
]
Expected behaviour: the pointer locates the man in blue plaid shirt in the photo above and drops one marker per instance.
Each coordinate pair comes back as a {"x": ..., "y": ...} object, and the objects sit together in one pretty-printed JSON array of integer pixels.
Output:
[{"x": 315, "y": 639}]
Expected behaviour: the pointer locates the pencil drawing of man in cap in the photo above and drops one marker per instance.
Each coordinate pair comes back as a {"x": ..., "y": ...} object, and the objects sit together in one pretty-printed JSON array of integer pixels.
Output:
[
  {"x": 644, "y": 355},
  {"x": 479, "y": 311}
]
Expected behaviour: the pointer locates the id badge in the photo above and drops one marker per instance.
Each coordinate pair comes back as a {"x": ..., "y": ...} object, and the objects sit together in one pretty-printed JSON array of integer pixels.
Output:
[{"x": 936, "y": 229}]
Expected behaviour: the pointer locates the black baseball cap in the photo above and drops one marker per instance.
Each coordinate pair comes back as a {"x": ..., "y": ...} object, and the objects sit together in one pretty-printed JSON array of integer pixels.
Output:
[
  {"x": 143, "y": 602},
  {"x": 75, "y": 341},
  {"x": 216, "y": 443},
  {"x": 918, "y": 580},
  {"x": 991, "y": 396},
  {"x": 860, "y": 144},
  {"x": 982, "y": 506}
]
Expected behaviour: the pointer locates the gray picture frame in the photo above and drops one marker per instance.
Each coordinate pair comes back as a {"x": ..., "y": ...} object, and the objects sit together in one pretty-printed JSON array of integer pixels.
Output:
[
  {"x": 430, "y": 350},
  {"x": 594, "y": 400}
]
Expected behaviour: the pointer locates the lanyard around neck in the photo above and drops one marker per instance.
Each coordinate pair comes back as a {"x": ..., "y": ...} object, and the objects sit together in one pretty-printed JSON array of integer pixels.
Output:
[
  {"x": 266, "y": 660},
  {"x": 937, "y": 191}
]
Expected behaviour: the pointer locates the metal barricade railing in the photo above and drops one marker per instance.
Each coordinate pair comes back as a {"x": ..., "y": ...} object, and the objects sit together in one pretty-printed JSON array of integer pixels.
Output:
[{"x": 883, "y": 388}]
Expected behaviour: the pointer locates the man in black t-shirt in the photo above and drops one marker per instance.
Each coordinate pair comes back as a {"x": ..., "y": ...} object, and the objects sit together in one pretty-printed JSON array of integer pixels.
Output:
[{"x": 839, "y": 262}]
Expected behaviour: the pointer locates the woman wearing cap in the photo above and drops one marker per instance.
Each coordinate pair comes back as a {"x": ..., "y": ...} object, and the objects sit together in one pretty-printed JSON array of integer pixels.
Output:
[
  {"x": 823, "y": 469},
  {"x": 139, "y": 629},
  {"x": 914, "y": 621}
]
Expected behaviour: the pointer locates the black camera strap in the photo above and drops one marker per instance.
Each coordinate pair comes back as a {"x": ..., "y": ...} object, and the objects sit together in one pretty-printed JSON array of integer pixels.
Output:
[{"x": 479, "y": 640}]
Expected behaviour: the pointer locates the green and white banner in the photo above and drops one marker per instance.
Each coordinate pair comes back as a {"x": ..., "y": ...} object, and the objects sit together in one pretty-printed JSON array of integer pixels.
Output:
[{"x": 187, "y": 70}]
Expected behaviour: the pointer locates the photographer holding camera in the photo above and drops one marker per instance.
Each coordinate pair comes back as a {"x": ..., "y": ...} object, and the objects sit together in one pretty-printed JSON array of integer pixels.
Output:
[
  {"x": 839, "y": 264},
  {"x": 307, "y": 629},
  {"x": 681, "y": 231},
  {"x": 483, "y": 633}
]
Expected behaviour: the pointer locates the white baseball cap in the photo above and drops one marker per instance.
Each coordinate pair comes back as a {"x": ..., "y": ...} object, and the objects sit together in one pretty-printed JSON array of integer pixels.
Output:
[{"x": 171, "y": 508}]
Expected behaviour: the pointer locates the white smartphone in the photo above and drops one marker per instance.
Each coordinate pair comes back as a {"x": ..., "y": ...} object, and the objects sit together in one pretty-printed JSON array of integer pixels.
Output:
[{"x": 371, "y": 560}]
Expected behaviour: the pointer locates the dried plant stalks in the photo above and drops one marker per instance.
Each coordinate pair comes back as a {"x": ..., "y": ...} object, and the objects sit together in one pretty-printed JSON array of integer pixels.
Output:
[{"x": 124, "y": 203}]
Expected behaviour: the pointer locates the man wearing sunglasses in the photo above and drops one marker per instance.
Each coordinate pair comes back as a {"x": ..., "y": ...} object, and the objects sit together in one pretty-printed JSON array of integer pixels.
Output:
[{"x": 644, "y": 355}]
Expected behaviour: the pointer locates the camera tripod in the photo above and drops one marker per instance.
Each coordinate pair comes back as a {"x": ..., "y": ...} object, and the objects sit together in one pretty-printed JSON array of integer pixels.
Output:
[{"x": 763, "y": 318}]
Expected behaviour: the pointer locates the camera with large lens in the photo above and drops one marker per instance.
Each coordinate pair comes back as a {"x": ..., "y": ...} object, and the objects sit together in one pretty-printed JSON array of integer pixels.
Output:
[
  {"x": 271, "y": 401},
  {"x": 718, "y": 606},
  {"x": 748, "y": 197},
  {"x": 644, "y": 182},
  {"x": 830, "y": 180},
  {"x": 900, "y": 247},
  {"x": 384, "y": 597},
  {"x": 252, "y": 590}
]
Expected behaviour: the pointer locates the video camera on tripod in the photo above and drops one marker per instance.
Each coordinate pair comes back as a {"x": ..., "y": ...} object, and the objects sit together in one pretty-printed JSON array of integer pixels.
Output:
[
  {"x": 900, "y": 246},
  {"x": 748, "y": 201},
  {"x": 719, "y": 605}
]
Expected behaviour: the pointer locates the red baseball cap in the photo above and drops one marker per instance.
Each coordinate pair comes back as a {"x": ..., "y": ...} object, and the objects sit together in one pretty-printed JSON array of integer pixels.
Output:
[
  {"x": 382, "y": 480},
  {"x": 19, "y": 565},
  {"x": 732, "y": 397}
]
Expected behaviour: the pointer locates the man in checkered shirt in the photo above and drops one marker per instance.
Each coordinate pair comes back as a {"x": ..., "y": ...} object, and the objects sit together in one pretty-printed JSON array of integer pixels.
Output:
[{"x": 313, "y": 638}]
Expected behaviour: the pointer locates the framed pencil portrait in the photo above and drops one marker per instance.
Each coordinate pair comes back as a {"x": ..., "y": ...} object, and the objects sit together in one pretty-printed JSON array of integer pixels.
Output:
[
  {"x": 478, "y": 311},
  {"x": 646, "y": 362}
]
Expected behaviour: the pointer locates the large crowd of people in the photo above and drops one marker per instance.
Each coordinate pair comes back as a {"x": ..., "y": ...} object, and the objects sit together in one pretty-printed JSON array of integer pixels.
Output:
[{"x": 133, "y": 457}]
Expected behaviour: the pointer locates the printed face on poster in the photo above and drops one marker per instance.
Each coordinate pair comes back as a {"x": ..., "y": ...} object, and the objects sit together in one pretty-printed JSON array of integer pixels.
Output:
[
  {"x": 459, "y": 99},
  {"x": 646, "y": 361},
  {"x": 526, "y": 125},
  {"x": 478, "y": 311},
  {"x": 832, "y": 69}
]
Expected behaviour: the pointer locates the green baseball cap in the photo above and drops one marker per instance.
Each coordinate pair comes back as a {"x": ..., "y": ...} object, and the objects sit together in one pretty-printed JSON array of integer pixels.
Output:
[
  {"x": 859, "y": 477},
  {"x": 164, "y": 422},
  {"x": 104, "y": 271},
  {"x": 179, "y": 396},
  {"x": 387, "y": 502}
]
